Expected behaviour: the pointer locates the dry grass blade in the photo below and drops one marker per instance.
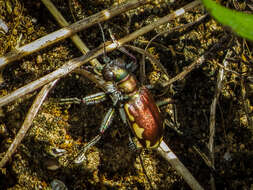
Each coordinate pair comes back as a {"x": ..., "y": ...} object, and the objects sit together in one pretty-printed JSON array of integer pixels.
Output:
[
  {"x": 77, "y": 62},
  {"x": 28, "y": 121},
  {"x": 68, "y": 31},
  {"x": 75, "y": 38},
  {"x": 246, "y": 103},
  {"x": 213, "y": 115},
  {"x": 195, "y": 64},
  {"x": 185, "y": 26},
  {"x": 167, "y": 153}
]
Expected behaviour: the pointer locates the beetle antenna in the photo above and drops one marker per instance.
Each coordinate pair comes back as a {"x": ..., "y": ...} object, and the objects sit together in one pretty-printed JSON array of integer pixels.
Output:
[{"x": 103, "y": 36}]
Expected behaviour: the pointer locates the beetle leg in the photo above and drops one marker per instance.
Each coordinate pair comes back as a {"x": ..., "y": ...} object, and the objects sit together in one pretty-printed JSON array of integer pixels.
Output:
[
  {"x": 70, "y": 101},
  {"x": 132, "y": 145},
  {"x": 123, "y": 115},
  {"x": 87, "y": 100},
  {"x": 165, "y": 102},
  {"x": 104, "y": 125},
  {"x": 172, "y": 122},
  {"x": 94, "y": 98}
]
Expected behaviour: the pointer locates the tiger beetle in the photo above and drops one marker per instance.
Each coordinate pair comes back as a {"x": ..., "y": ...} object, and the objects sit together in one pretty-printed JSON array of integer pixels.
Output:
[{"x": 135, "y": 103}]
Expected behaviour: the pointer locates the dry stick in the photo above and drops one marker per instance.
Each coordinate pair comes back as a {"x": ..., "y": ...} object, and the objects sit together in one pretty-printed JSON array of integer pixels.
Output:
[
  {"x": 185, "y": 26},
  {"x": 75, "y": 38},
  {"x": 186, "y": 71},
  {"x": 69, "y": 31},
  {"x": 167, "y": 153},
  {"x": 28, "y": 121},
  {"x": 219, "y": 87},
  {"x": 43, "y": 93},
  {"x": 77, "y": 62},
  {"x": 246, "y": 103},
  {"x": 195, "y": 64}
]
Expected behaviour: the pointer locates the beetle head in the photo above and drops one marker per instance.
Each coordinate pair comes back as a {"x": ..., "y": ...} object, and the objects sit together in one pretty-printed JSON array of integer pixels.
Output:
[{"x": 115, "y": 70}]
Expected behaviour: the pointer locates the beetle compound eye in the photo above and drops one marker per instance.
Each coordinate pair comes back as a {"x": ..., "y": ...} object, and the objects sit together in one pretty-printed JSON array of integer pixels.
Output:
[{"x": 108, "y": 74}]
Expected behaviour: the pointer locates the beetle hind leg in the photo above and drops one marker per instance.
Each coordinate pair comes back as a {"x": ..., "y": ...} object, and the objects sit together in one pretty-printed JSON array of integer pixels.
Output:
[
  {"x": 132, "y": 146},
  {"x": 104, "y": 125}
]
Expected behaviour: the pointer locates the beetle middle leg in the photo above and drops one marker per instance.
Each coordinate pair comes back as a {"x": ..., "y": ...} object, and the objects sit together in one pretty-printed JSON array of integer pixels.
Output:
[
  {"x": 90, "y": 100},
  {"x": 104, "y": 125}
]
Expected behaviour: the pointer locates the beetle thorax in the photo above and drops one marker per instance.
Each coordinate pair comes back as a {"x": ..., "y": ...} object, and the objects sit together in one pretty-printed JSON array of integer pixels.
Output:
[{"x": 128, "y": 84}]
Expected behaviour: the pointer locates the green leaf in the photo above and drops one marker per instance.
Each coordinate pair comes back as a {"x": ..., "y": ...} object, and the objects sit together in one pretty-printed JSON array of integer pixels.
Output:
[{"x": 240, "y": 23}]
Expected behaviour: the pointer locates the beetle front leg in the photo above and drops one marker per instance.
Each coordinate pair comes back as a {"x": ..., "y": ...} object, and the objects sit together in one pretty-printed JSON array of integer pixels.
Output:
[
  {"x": 123, "y": 115},
  {"x": 87, "y": 100},
  {"x": 104, "y": 125}
]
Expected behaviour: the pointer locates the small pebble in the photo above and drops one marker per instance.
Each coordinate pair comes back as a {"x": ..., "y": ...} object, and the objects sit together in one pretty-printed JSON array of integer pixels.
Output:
[
  {"x": 58, "y": 185},
  {"x": 3, "y": 26},
  {"x": 242, "y": 146},
  {"x": 52, "y": 164},
  {"x": 56, "y": 152},
  {"x": 39, "y": 59},
  {"x": 3, "y": 130},
  {"x": 227, "y": 156}
]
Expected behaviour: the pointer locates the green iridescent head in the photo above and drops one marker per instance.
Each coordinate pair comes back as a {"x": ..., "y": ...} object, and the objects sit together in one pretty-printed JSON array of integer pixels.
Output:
[{"x": 115, "y": 70}]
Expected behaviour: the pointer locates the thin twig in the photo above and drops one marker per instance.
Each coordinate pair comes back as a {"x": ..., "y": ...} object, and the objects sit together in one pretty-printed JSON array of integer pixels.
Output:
[
  {"x": 186, "y": 71},
  {"x": 227, "y": 69},
  {"x": 185, "y": 26},
  {"x": 75, "y": 38},
  {"x": 68, "y": 31},
  {"x": 246, "y": 104},
  {"x": 143, "y": 68},
  {"x": 161, "y": 21},
  {"x": 77, "y": 62},
  {"x": 219, "y": 87},
  {"x": 28, "y": 121},
  {"x": 167, "y": 153},
  {"x": 194, "y": 65}
]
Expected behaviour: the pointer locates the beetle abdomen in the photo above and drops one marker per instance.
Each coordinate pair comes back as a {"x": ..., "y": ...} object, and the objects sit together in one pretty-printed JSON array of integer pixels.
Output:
[{"x": 144, "y": 118}]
